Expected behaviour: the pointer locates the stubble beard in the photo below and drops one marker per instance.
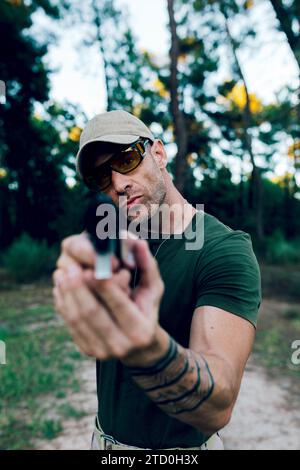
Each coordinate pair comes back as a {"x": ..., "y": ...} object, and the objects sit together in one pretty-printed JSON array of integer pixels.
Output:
[{"x": 141, "y": 214}]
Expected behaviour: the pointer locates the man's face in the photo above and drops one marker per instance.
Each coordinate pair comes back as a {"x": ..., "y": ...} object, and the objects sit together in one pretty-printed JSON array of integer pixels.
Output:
[{"x": 143, "y": 187}]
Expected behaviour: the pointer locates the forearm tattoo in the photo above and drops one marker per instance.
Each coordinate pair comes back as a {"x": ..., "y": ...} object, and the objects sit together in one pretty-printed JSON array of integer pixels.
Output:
[{"x": 180, "y": 382}]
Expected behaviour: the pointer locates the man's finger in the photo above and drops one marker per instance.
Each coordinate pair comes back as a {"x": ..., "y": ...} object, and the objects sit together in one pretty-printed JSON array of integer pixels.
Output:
[
  {"x": 67, "y": 263},
  {"x": 67, "y": 308},
  {"x": 123, "y": 310},
  {"x": 98, "y": 319},
  {"x": 80, "y": 249},
  {"x": 121, "y": 278}
]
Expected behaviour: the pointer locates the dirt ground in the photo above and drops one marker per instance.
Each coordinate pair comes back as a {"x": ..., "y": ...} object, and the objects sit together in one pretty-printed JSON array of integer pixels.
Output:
[{"x": 264, "y": 416}]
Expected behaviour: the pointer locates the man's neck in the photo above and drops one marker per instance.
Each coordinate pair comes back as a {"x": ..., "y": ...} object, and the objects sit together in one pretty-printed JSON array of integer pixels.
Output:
[{"x": 173, "y": 215}]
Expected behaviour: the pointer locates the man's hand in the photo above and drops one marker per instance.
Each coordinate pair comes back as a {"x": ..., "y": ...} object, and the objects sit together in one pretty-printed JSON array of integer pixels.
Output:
[{"x": 105, "y": 317}]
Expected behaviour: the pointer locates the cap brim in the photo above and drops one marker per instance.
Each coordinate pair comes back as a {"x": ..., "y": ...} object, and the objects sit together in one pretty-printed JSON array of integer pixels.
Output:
[{"x": 113, "y": 139}]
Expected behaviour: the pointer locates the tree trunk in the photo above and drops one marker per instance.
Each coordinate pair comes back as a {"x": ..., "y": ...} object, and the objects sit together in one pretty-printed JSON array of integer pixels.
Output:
[
  {"x": 177, "y": 114},
  {"x": 99, "y": 38},
  {"x": 286, "y": 26},
  {"x": 257, "y": 199}
]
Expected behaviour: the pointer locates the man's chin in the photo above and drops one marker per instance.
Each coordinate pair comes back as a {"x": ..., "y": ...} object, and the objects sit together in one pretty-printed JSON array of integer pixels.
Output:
[
  {"x": 138, "y": 215},
  {"x": 137, "y": 218}
]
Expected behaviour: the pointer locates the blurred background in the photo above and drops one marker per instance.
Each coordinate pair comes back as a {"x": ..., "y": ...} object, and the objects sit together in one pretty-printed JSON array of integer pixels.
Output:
[{"x": 218, "y": 82}]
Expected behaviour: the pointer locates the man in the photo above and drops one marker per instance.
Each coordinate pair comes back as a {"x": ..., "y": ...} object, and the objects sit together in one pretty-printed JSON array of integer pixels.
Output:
[{"x": 172, "y": 331}]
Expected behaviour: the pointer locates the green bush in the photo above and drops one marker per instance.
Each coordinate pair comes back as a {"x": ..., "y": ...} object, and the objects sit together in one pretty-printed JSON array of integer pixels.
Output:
[
  {"x": 50, "y": 428},
  {"x": 281, "y": 251},
  {"x": 27, "y": 259}
]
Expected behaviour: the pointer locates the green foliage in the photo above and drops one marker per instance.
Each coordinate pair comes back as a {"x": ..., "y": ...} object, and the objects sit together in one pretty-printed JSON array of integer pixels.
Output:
[
  {"x": 33, "y": 367},
  {"x": 273, "y": 343},
  {"x": 281, "y": 282},
  {"x": 70, "y": 219},
  {"x": 281, "y": 251},
  {"x": 38, "y": 150},
  {"x": 269, "y": 344},
  {"x": 68, "y": 411},
  {"x": 39, "y": 371},
  {"x": 27, "y": 259},
  {"x": 291, "y": 314},
  {"x": 50, "y": 428},
  {"x": 35, "y": 148},
  {"x": 287, "y": 14}
]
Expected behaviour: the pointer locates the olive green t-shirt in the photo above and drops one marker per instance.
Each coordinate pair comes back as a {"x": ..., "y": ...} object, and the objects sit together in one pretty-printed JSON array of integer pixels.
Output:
[{"x": 223, "y": 272}]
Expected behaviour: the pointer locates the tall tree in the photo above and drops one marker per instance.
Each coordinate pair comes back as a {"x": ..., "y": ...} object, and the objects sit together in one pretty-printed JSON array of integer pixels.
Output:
[
  {"x": 191, "y": 61},
  {"x": 145, "y": 85},
  {"x": 33, "y": 182},
  {"x": 180, "y": 133},
  {"x": 288, "y": 16},
  {"x": 257, "y": 186}
]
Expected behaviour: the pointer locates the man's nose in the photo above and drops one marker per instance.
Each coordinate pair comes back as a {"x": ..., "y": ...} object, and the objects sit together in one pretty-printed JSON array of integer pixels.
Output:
[{"x": 119, "y": 181}]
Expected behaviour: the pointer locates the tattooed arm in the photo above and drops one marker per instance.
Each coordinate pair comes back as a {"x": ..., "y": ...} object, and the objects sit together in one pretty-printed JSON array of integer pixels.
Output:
[{"x": 197, "y": 385}]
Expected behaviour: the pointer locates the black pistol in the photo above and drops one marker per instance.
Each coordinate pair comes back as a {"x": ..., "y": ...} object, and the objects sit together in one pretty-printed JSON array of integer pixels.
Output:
[{"x": 102, "y": 226}]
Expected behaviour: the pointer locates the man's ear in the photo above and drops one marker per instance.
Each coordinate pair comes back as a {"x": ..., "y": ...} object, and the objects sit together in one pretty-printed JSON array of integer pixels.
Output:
[{"x": 158, "y": 152}]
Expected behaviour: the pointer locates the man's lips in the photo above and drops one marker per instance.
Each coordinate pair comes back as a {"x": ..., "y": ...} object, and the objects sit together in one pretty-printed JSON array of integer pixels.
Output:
[{"x": 132, "y": 201}]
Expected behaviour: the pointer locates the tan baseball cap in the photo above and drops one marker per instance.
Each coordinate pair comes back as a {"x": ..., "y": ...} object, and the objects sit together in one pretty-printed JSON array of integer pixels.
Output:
[{"x": 116, "y": 127}]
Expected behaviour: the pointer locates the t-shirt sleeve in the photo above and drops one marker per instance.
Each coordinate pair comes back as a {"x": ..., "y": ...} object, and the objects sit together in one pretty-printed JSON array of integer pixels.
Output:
[{"x": 228, "y": 276}]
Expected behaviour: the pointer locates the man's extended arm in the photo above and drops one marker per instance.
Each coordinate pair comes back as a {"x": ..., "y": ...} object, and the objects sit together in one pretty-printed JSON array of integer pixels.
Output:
[
  {"x": 108, "y": 321},
  {"x": 199, "y": 388}
]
